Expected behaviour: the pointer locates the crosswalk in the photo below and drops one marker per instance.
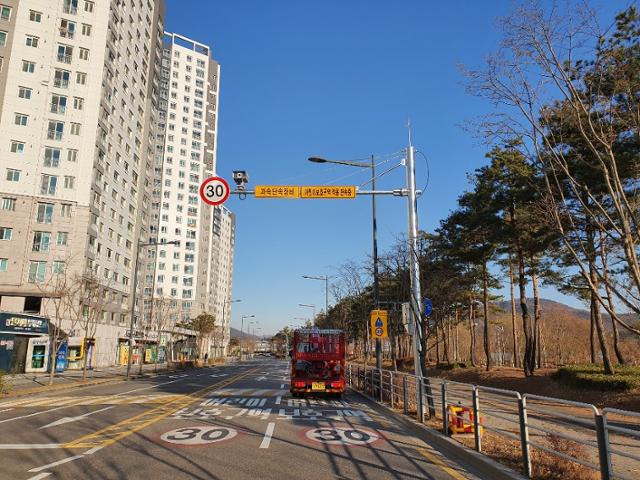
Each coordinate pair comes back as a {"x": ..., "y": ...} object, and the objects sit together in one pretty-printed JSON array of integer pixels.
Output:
[{"x": 90, "y": 400}]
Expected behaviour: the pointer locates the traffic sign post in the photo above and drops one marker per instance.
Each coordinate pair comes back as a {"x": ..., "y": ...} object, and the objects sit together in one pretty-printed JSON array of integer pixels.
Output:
[
  {"x": 379, "y": 324},
  {"x": 428, "y": 306},
  {"x": 214, "y": 191}
]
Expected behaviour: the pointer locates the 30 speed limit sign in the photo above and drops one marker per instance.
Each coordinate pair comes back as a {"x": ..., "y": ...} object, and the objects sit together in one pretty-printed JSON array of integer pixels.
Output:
[{"x": 214, "y": 191}]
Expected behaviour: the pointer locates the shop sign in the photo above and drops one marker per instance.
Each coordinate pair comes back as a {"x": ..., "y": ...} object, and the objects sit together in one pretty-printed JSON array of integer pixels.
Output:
[{"x": 18, "y": 323}]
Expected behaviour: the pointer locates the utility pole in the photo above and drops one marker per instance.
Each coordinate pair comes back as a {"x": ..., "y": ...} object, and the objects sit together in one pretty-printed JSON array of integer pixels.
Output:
[
  {"x": 376, "y": 284},
  {"x": 414, "y": 266}
]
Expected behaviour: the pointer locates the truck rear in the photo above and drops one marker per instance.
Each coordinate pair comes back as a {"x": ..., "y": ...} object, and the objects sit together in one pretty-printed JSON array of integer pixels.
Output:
[{"x": 318, "y": 362}]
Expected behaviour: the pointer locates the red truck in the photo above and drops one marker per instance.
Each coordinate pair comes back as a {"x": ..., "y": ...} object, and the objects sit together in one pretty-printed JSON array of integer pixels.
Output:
[{"x": 318, "y": 362}]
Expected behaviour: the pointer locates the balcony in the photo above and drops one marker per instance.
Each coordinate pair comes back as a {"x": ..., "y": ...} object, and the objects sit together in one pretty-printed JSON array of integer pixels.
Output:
[
  {"x": 61, "y": 83},
  {"x": 54, "y": 135},
  {"x": 64, "y": 58},
  {"x": 59, "y": 109},
  {"x": 66, "y": 33},
  {"x": 70, "y": 9}
]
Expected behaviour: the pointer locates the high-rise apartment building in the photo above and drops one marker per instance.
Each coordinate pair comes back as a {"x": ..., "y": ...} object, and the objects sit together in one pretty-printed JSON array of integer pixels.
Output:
[
  {"x": 187, "y": 274},
  {"x": 78, "y": 81}
]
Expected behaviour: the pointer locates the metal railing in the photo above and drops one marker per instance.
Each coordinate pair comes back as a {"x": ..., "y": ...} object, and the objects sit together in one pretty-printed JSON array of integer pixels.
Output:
[{"x": 606, "y": 441}]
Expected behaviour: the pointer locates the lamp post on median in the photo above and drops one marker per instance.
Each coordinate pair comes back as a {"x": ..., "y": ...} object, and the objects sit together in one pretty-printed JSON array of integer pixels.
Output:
[
  {"x": 376, "y": 285},
  {"x": 325, "y": 279},
  {"x": 133, "y": 300},
  {"x": 242, "y": 332},
  {"x": 310, "y": 305}
]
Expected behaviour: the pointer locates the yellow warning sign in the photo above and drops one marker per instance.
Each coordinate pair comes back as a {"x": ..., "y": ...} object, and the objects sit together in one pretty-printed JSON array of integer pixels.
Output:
[
  {"x": 277, "y": 191},
  {"x": 379, "y": 324},
  {"x": 331, "y": 191}
]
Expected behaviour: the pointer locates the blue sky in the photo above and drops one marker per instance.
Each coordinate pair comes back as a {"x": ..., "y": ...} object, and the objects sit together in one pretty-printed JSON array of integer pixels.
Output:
[{"x": 338, "y": 79}]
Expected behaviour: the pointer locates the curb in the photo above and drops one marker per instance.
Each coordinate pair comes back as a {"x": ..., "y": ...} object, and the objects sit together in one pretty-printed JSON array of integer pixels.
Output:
[{"x": 481, "y": 465}]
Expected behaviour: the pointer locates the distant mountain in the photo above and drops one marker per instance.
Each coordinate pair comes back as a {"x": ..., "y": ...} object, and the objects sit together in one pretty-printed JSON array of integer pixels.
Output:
[
  {"x": 549, "y": 308},
  {"x": 235, "y": 333}
]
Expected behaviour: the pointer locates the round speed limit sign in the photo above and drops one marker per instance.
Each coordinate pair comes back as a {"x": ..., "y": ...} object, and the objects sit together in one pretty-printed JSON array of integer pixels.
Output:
[{"x": 214, "y": 191}]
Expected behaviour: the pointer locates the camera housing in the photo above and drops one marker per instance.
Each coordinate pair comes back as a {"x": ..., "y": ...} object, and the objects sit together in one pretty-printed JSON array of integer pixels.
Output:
[{"x": 241, "y": 178}]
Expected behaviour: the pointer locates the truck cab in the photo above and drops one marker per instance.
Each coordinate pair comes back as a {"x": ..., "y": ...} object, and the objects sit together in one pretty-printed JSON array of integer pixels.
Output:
[{"x": 318, "y": 362}]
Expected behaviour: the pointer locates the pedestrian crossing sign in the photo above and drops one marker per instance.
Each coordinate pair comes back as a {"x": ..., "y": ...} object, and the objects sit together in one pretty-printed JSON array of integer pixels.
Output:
[{"x": 379, "y": 324}]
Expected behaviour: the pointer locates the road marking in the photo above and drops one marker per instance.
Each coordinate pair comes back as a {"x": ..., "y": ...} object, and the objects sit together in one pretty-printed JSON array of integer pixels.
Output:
[
  {"x": 31, "y": 414},
  {"x": 443, "y": 466},
  {"x": 266, "y": 441},
  {"x": 199, "y": 435},
  {"x": 55, "y": 464},
  {"x": 116, "y": 432},
  {"x": 40, "y": 476},
  {"x": 28, "y": 446},
  {"x": 6, "y": 410},
  {"x": 282, "y": 385},
  {"x": 65, "y": 420},
  {"x": 278, "y": 399}
]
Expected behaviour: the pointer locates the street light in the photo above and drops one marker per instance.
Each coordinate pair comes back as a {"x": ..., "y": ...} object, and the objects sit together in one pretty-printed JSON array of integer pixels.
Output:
[
  {"x": 242, "y": 331},
  {"x": 133, "y": 303},
  {"x": 310, "y": 305},
  {"x": 376, "y": 285},
  {"x": 325, "y": 279}
]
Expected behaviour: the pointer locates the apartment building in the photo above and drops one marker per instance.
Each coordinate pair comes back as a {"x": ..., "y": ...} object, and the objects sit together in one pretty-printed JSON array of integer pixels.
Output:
[
  {"x": 187, "y": 274},
  {"x": 78, "y": 87}
]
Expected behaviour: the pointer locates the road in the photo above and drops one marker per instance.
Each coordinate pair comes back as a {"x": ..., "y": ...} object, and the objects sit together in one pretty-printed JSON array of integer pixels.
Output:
[{"x": 232, "y": 422}]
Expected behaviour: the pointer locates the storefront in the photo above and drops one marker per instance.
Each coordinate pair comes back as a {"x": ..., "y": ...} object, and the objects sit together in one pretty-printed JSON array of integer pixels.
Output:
[{"x": 24, "y": 342}]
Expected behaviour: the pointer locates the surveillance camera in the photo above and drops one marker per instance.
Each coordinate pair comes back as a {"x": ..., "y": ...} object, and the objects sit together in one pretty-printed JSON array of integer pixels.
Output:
[{"x": 240, "y": 177}]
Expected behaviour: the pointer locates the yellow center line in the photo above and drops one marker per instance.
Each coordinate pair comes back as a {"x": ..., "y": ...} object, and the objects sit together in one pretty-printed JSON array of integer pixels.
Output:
[
  {"x": 439, "y": 463},
  {"x": 113, "y": 433}
]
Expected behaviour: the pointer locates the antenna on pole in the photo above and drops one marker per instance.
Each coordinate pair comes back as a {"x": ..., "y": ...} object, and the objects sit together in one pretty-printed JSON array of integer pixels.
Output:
[{"x": 409, "y": 129}]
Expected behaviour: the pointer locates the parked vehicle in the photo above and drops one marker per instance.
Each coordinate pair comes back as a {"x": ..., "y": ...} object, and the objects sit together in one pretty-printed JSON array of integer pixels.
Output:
[{"x": 318, "y": 362}]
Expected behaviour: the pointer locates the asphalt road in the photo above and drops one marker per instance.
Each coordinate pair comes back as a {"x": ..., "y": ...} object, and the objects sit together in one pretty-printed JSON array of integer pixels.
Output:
[{"x": 232, "y": 422}]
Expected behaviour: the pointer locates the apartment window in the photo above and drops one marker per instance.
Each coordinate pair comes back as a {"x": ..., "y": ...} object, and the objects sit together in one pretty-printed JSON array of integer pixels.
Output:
[
  {"x": 65, "y": 210},
  {"x": 52, "y": 157},
  {"x": 17, "y": 147},
  {"x": 75, "y": 129},
  {"x": 44, "y": 213},
  {"x": 78, "y": 103},
  {"x": 70, "y": 6},
  {"x": 13, "y": 175},
  {"x": 88, "y": 7},
  {"x": 65, "y": 53},
  {"x": 8, "y": 204},
  {"x": 3, "y": 38},
  {"x": 4, "y": 264},
  {"x": 41, "y": 242},
  {"x": 86, "y": 30},
  {"x": 58, "y": 104},
  {"x": 28, "y": 67},
  {"x": 6, "y": 233},
  {"x": 56, "y": 129},
  {"x": 21, "y": 119},
  {"x": 31, "y": 41},
  {"x": 58, "y": 267},
  {"x": 81, "y": 78},
  {"x": 5, "y": 12},
  {"x": 48, "y": 184},
  {"x": 61, "y": 78},
  {"x": 35, "y": 16},
  {"x": 67, "y": 29},
  {"x": 72, "y": 155},
  {"x": 69, "y": 181},
  {"x": 24, "y": 92},
  {"x": 84, "y": 54},
  {"x": 62, "y": 239},
  {"x": 37, "y": 271}
]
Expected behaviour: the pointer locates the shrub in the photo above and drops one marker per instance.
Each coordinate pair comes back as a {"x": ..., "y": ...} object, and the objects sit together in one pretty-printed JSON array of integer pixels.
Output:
[{"x": 626, "y": 377}]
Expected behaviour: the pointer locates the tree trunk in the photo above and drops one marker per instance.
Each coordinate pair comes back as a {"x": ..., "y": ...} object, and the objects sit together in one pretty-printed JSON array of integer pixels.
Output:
[
  {"x": 597, "y": 316},
  {"x": 437, "y": 341},
  {"x": 536, "y": 313},
  {"x": 516, "y": 347},
  {"x": 456, "y": 355},
  {"x": 529, "y": 360},
  {"x": 472, "y": 334},
  {"x": 592, "y": 332},
  {"x": 485, "y": 307},
  {"x": 614, "y": 325}
]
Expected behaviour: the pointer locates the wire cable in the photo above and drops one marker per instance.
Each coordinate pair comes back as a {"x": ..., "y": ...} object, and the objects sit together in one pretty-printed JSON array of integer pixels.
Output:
[{"x": 426, "y": 160}]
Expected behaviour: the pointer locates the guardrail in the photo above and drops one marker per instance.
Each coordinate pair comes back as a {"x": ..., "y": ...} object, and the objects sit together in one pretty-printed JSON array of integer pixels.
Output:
[{"x": 609, "y": 439}]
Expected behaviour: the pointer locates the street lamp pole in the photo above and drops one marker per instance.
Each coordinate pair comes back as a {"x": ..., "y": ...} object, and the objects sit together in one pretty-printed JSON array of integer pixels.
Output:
[
  {"x": 325, "y": 279},
  {"x": 134, "y": 296},
  {"x": 309, "y": 305},
  {"x": 242, "y": 331}
]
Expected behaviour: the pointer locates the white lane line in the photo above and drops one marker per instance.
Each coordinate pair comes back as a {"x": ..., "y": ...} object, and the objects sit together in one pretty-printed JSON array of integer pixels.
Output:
[
  {"x": 266, "y": 441},
  {"x": 31, "y": 414},
  {"x": 94, "y": 450},
  {"x": 278, "y": 399},
  {"x": 282, "y": 385},
  {"x": 55, "y": 464},
  {"x": 65, "y": 420},
  {"x": 28, "y": 446},
  {"x": 40, "y": 476},
  {"x": 6, "y": 410}
]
